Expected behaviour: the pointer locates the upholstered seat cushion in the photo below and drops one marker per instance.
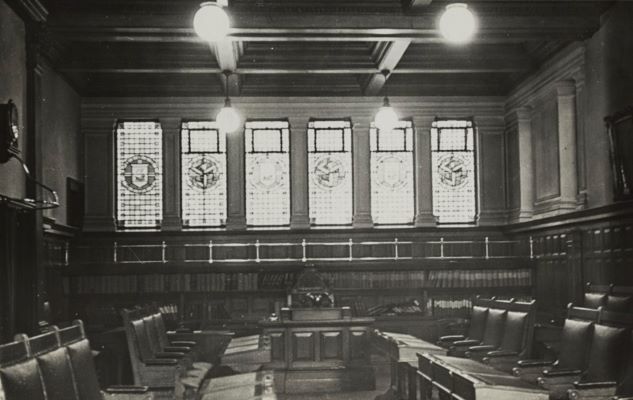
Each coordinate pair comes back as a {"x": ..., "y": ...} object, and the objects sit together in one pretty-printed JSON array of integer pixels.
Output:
[
  {"x": 514, "y": 331},
  {"x": 477, "y": 323},
  {"x": 608, "y": 349},
  {"x": 595, "y": 300},
  {"x": 84, "y": 370},
  {"x": 494, "y": 327},
  {"x": 22, "y": 381},
  {"x": 623, "y": 304},
  {"x": 57, "y": 374},
  {"x": 575, "y": 337}
]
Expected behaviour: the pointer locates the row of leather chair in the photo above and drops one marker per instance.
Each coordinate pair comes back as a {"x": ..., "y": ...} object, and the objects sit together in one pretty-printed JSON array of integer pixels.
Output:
[
  {"x": 609, "y": 297},
  {"x": 172, "y": 365},
  {"x": 595, "y": 360},
  {"x": 500, "y": 333},
  {"x": 57, "y": 365}
]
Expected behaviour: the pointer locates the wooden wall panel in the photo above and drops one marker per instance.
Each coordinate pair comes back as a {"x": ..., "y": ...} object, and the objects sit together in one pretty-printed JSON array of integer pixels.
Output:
[{"x": 545, "y": 136}]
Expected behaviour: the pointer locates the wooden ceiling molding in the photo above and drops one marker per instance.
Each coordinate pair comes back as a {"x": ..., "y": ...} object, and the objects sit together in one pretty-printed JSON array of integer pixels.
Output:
[{"x": 317, "y": 48}]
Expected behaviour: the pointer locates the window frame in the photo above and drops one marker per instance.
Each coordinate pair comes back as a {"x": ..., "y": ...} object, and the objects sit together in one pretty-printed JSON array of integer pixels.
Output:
[
  {"x": 475, "y": 153},
  {"x": 117, "y": 223}
]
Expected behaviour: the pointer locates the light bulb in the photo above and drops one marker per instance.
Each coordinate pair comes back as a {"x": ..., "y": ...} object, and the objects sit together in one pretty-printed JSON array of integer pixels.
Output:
[
  {"x": 211, "y": 22},
  {"x": 228, "y": 119},
  {"x": 386, "y": 118},
  {"x": 458, "y": 24}
]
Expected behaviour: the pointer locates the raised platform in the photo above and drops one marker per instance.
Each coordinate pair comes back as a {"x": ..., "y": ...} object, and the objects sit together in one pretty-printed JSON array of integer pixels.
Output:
[{"x": 320, "y": 350}]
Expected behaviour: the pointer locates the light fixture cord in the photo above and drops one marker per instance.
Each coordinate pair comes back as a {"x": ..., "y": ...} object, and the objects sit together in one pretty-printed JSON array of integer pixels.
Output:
[{"x": 227, "y": 74}]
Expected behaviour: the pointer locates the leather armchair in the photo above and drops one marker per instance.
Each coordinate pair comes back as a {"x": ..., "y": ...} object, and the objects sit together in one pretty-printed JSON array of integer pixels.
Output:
[
  {"x": 492, "y": 336},
  {"x": 475, "y": 329},
  {"x": 576, "y": 336}
]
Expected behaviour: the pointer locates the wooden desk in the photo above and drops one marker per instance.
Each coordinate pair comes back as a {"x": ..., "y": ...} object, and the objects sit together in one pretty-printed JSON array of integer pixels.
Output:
[{"x": 320, "y": 350}]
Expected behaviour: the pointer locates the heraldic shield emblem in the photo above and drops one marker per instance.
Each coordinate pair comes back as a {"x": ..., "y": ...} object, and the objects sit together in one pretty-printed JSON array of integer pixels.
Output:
[
  {"x": 391, "y": 172},
  {"x": 267, "y": 173},
  {"x": 203, "y": 173},
  {"x": 328, "y": 172},
  {"x": 139, "y": 174},
  {"x": 452, "y": 171}
]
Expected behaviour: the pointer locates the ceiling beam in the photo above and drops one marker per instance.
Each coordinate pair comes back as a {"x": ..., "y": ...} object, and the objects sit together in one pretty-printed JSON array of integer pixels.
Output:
[
  {"x": 321, "y": 27},
  {"x": 295, "y": 71},
  {"x": 227, "y": 54},
  {"x": 388, "y": 61}
]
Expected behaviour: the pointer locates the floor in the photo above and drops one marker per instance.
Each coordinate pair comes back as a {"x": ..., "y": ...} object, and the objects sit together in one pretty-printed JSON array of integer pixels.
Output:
[{"x": 382, "y": 384}]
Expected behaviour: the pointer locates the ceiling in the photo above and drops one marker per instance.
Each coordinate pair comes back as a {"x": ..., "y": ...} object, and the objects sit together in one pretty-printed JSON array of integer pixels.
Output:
[{"x": 309, "y": 48}]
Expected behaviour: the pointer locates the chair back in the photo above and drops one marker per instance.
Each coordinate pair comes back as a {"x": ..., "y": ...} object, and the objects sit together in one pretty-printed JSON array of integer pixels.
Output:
[
  {"x": 54, "y": 363},
  {"x": 494, "y": 327},
  {"x": 20, "y": 375},
  {"x": 606, "y": 353},
  {"x": 74, "y": 339},
  {"x": 576, "y": 335}
]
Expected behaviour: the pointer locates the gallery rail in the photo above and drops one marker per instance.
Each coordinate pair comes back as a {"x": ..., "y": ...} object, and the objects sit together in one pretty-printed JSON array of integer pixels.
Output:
[{"x": 304, "y": 251}]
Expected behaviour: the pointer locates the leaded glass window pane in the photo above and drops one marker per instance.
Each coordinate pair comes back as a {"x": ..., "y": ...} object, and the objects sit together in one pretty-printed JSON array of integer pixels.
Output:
[
  {"x": 203, "y": 169},
  {"x": 392, "y": 186},
  {"x": 139, "y": 153},
  {"x": 330, "y": 170},
  {"x": 267, "y": 173},
  {"x": 454, "y": 173}
]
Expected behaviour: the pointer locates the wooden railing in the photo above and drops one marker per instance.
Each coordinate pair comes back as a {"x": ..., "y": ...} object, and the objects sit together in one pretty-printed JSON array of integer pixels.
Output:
[{"x": 297, "y": 252}]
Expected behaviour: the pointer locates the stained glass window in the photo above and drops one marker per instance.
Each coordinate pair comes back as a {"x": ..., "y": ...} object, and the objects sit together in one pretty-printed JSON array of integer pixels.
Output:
[
  {"x": 267, "y": 173},
  {"x": 330, "y": 170},
  {"x": 392, "y": 187},
  {"x": 203, "y": 169},
  {"x": 453, "y": 169},
  {"x": 139, "y": 153}
]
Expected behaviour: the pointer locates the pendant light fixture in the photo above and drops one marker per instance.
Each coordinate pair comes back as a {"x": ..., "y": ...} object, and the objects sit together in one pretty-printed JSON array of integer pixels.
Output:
[
  {"x": 227, "y": 119},
  {"x": 211, "y": 22},
  {"x": 458, "y": 24},
  {"x": 386, "y": 118}
]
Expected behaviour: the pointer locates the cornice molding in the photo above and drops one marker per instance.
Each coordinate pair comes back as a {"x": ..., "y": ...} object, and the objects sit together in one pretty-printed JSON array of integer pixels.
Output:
[{"x": 567, "y": 65}]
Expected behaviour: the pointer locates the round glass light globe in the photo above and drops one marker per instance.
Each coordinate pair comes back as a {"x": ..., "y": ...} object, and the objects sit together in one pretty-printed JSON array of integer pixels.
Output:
[
  {"x": 458, "y": 24},
  {"x": 228, "y": 119},
  {"x": 386, "y": 119},
  {"x": 211, "y": 22}
]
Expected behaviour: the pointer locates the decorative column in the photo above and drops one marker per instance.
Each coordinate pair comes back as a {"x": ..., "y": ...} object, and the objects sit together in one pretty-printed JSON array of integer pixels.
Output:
[
  {"x": 299, "y": 211},
  {"x": 566, "y": 91},
  {"x": 172, "y": 220},
  {"x": 236, "y": 213},
  {"x": 362, "y": 177},
  {"x": 423, "y": 177},
  {"x": 526, "y": 163}
]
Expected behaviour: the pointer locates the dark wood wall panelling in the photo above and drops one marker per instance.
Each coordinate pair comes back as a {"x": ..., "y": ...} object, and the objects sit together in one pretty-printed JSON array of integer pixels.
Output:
[{"x": 570, "y": 250}]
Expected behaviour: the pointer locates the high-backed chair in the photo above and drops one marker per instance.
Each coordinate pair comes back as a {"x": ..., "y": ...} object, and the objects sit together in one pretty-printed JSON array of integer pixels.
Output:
[
  {"x": 576, "y": 337},
  {"x": 54, "y": 364},
  {"x": 606, "y": 361},
  {"x": 492, "y": 336},
  {"x": 476, "y": 326},
  {"x": 517, "y": 337},
  {"x": 610, "y": 370},
  {"x": 20, "y": 376},
  {"x": 147, "y": 368}
]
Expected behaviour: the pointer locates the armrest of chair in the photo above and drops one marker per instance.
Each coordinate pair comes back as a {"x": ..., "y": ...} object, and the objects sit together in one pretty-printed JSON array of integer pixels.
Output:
[
  {"x": 481, "y": 348},
  {"x": 592, "y": 391},
  {"x": 548, "y": 373},
  {"x": 534, "y": 363},
  {"x": 183, "y": 343},
  {"x": 161, "y": 361},
  {"x": 466, "y": 343},
  {"x": 169, "y": 354},
  {"x": 177, "y": 349},
  {"x": 127, "y": 389},
  {"x": 501, "y": 353},
  {"x": 451, "y": 338}
]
